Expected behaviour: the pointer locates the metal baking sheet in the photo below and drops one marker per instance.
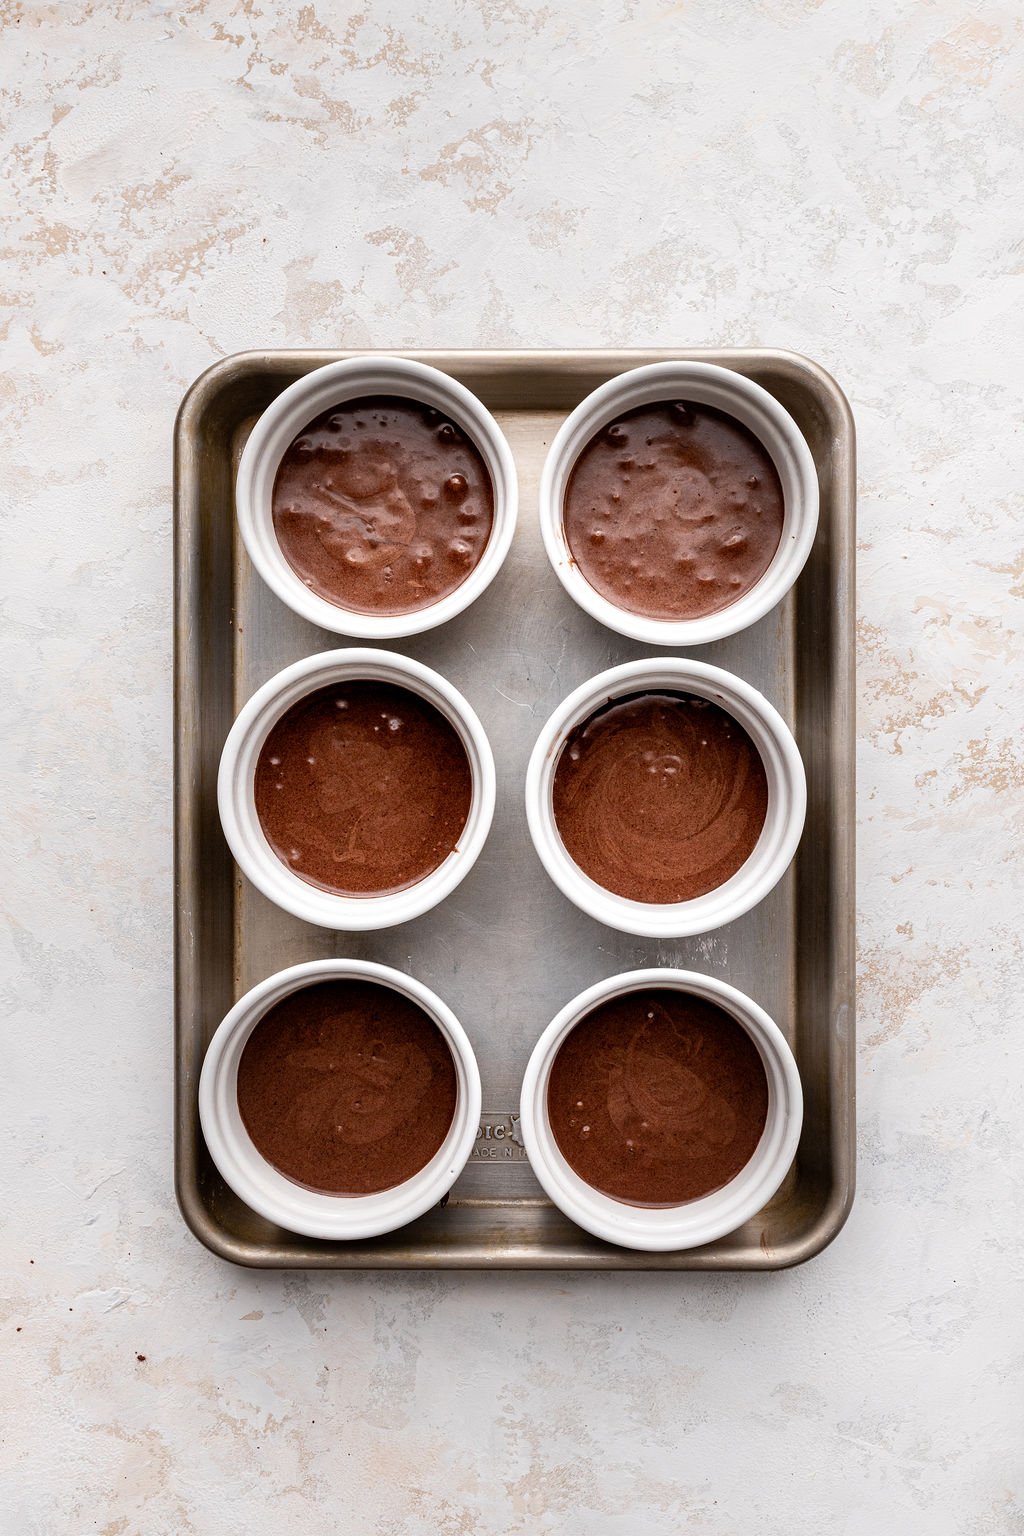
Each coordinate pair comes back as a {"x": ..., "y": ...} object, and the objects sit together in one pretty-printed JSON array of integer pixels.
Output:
[{"x": 506, "y": 951}]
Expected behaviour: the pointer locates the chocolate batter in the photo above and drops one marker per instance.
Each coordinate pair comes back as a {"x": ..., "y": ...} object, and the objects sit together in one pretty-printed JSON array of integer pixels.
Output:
[
  {"x": 656, "y": 1098},
  {"x": 673, "y": 511},
  {"x": 383, "y": 505},
  {"x": 660, "y": 797},
  {"x": 363, "y": 788},
  {"x": 347, "y": 1087}
]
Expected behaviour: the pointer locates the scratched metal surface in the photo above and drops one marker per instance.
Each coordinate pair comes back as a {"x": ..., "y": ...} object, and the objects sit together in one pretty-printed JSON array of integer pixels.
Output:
[{"x": 506, "y": 950}]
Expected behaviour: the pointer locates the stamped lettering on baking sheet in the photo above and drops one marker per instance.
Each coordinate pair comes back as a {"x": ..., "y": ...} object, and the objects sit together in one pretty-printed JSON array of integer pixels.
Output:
[{"x": 499, "y": 1139}]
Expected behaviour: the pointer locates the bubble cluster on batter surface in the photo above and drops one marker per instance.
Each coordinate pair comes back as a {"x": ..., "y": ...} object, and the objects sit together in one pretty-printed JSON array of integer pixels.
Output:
[
  {"x": 673, "y": 511},
  {"x": 383, "y": 505}
]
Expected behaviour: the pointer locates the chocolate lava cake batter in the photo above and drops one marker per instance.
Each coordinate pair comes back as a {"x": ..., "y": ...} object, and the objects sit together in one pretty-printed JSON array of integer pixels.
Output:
[
  {"x": 656, "y": 1098},
  {"x": 363, "y": 788},
  {"x": 673, "y": 511},
  {"x": 347, "y": 1087},
  {"x": 660, "y": 797},
  {"x": 383, "y": 505}
]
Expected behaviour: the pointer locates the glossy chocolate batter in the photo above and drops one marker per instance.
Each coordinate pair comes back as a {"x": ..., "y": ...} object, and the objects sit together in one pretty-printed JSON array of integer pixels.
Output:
[
  {"x": 673, "y": 511},
  {"x": 347, "y": 1087},
  {"x": 657, "y": 1097},
  {"x": 363, "y": 788},
  {"x": 660, "y": 797},
  {"x": 383, "y": 505}
]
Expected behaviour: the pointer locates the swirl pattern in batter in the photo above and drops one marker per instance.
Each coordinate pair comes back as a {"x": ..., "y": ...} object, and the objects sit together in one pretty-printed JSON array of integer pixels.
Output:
[
  {"x": 660, "y": 797},
  {"x": 347, "y": 1087},
  {"x": 363, "y": 788},
  {"x": 657, "y": 1097}
]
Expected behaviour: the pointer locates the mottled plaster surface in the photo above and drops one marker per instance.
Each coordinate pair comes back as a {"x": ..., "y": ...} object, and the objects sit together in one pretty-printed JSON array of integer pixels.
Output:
[{"x": 184, "y": 180}]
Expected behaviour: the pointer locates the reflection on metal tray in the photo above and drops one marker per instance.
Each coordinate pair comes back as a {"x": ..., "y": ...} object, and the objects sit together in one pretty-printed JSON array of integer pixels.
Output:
[{"x": 506, "y": 951}]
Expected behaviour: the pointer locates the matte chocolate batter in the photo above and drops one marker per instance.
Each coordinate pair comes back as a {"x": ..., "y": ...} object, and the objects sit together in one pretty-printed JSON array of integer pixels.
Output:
[
  {"x": 660, "y": 797},
  {"x": 383, "y": 505},
  {"x": 656, "y": 1098},
  {"x": 673, "y": 511},
  {"x": 347, "y": 1087},
  {"x": 363, "y": 788}
]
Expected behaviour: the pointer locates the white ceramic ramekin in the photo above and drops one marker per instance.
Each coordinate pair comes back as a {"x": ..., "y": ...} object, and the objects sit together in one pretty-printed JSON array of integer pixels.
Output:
[
  {"x": 659, "y": 1229},
  {"x": 294, "y": 409},
  {"x": 290, "y": 1205},
  {"x": 236, "y": 799},
  {"x": 738, "y": 396},
  {"x": 774, "y": 850}
]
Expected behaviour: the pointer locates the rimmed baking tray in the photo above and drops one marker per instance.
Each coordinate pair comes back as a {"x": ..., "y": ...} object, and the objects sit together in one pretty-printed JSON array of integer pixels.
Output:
[{"x": 506, "y": 951}]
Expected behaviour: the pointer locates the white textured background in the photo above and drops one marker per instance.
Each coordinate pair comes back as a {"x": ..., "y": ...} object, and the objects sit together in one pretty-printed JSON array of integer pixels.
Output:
[{"x": 183, "y": 180}]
